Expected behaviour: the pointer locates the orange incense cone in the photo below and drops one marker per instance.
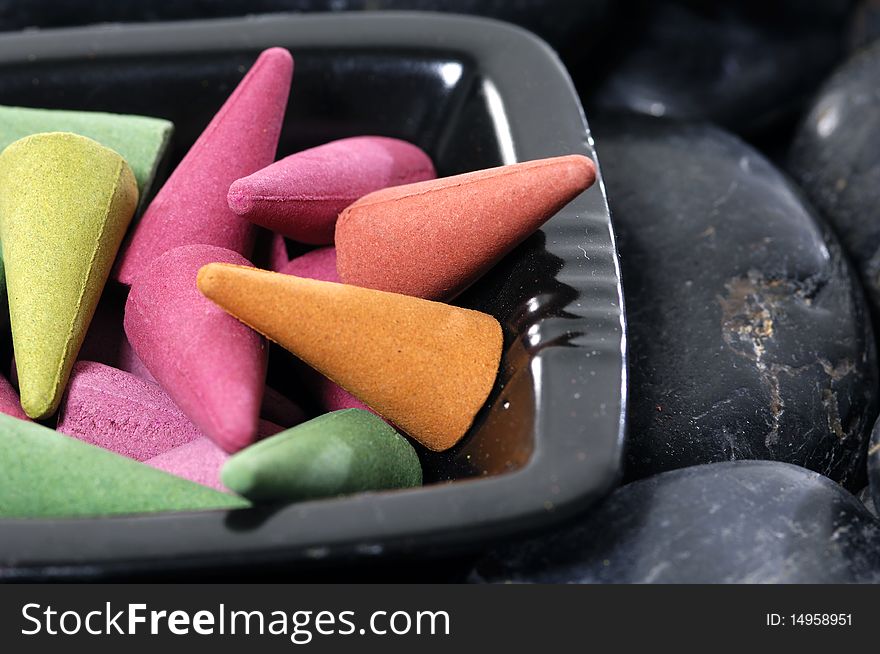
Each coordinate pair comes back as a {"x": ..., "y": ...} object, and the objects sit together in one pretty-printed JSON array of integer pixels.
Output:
[
  {"x": 425, "y": 366},
  {"x": 433, "y": 239}
]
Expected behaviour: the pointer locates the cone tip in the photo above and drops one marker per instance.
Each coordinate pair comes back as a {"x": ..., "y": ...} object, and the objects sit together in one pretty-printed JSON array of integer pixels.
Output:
[
  {"x": 240, "y": 197},
  {"x": 212, "y": 276},
  {"x": 277, "y": 55},
  {"x": 584, "y": 169},
  {"x": 238, "y": 476},
  {"x": 209, "y": 277},
  {"x": 38, "y": 405},
  {"x": 237, "y": 431}
]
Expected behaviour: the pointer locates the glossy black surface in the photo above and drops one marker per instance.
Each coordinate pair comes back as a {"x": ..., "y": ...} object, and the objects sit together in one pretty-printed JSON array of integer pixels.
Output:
[
  {"x": 749, "y": 338},
  {"x": 732, "y": 522},
  {"x": 743, "y": 64},
  {"x": 549, "y": 442},
  {"x": 560, "y": 22},
  {"x": 836, "y": 159}
]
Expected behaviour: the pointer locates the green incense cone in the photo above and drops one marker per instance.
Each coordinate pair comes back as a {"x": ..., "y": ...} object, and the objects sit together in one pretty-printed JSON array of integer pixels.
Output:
[
  {"x": 140, "y": 140},
  {"x": 45, "y": 474},
  {"x": 338, "y": 453},
  {"x": 65, "y": 203}
]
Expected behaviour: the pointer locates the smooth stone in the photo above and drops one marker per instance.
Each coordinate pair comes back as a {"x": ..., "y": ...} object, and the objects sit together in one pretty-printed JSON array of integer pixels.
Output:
[
  {"x": 65, "y": 204},
  {"x": 874, "y": 464},
  {"x": 743, "y": 65},
  {"x": 835, "y": 157},
  {"x": 191, "y": 207},
  {"x": 865, "y": 24},
  {"x": 49, "y": 475},
  {"x": 731, "y": 522},
  {"x": 211, "y": 365},
  {"x": 340, "y": 453},
  {"x": 140, "y": 140},
  {"x": 749, "y": 338},
  {"x": 865, "y": 498},
  {"x": 425, "y": 366}
]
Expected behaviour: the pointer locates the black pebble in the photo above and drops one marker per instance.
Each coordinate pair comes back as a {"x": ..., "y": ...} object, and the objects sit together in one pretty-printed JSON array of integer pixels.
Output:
[
  {"x": 735, "y": 522},
  {"x": 748, "y": 336},
  {"x": 872, "y": 498},
  {"x": 746, "y": 64},
  {"x": 836, "y": 159}
]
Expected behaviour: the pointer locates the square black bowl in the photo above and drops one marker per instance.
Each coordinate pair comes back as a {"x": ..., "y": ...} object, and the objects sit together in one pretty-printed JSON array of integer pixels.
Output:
[{"x": 473, "y": 93}]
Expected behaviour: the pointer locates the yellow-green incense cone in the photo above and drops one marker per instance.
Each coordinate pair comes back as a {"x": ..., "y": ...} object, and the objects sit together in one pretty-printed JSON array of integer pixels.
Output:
[
  {"x": 4, "y": 309},
  {"x": 65, "y": 203}
]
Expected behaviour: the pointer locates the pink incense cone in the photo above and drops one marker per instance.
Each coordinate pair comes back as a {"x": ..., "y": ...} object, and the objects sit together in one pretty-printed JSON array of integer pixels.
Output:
[
  {"x": 318, "y": 264},
  {"x": 106, "y": 343},
  {"x": 211, "y": 365},
  {"x": 10, "y": 404},
  {"x": 115, "y": 410},
  {"x": 332, "y": 397},
  {"x": 278, "y": 257},
  {"x": 321, "y": 264},
  {"x": 301, "y": 195},
  {"x": 191, "y": 207},
  {"x": 278, "y": 409},
  {"x": 434, "y": 239},
  {"x": 270, "y": 251},
  {"x": 200, "y": 460}
]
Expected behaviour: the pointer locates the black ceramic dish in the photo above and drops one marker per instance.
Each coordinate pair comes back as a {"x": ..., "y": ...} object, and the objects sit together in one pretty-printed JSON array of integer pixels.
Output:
[
  {"x": 473, "y": 93},
  {"x": 562, "y": 22}
]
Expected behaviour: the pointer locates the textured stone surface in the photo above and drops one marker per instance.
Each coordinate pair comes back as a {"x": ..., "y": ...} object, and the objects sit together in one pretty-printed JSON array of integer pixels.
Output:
[
  {"x": 749, "y": 338},
  {"x": 874, "y": 468},
  {"x": 835, "y": 157},
  {"x": 732, "y": 522},
  {"x": 865, "y": 23}
]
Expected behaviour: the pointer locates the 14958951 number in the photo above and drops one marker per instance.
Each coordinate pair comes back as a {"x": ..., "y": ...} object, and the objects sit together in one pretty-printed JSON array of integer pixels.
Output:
[
  {"x": 809, "y": 620},
  {"x": 821, "y": 619}
]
